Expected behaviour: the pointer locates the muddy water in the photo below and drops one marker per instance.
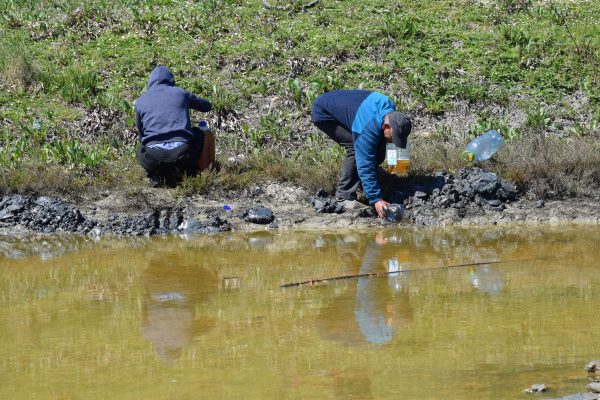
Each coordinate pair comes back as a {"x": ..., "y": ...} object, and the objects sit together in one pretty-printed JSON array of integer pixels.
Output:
[{"x": 204, "y": 317}]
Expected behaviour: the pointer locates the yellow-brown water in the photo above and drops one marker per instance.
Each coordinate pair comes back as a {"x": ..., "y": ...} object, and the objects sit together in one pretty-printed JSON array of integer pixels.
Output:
[
  {"x": 400, "y": 168},
  {"x": 205, "y": 318}
]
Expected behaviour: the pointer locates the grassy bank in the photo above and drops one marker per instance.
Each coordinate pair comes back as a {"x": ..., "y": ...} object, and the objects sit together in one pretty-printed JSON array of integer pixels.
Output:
[{"x": 70, "y": 72}]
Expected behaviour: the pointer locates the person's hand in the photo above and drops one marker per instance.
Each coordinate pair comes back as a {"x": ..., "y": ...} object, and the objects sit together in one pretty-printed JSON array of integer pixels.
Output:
[{"x": 380, "y": 207}]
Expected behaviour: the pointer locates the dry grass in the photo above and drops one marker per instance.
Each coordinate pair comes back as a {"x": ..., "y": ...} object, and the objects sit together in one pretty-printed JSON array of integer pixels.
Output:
[
  {"x": 19, "y": 71},
  {"x": 546, "y": 167},
  {"x": 553, "y": 168},
  {"x": 266, "y": 167},
  {"x": 33, "y": 176}
]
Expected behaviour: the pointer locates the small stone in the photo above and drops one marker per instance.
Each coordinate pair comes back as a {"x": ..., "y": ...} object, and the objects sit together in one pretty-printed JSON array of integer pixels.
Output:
[
  {"x": 259, "y": 215},
  {"x": 594, "y": 387},
  {"x": 592, "y": 366},
  {"x": 95, "y": 233},
  {"x": 540, "y": 204},
  {"x": 580, "y": 396},
  {"x": 536, "y": 388},
  {"x": 494, "y": 203}
]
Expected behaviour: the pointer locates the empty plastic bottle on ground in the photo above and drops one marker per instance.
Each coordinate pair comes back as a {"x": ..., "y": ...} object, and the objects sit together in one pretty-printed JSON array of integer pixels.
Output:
[{"x": 484, "y": 146}]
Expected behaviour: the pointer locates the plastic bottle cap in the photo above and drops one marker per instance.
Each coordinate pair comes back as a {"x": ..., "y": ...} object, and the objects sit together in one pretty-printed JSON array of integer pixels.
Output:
[
  {"x": 202, "y": 123},
  {"x": 226, "y": 207}
]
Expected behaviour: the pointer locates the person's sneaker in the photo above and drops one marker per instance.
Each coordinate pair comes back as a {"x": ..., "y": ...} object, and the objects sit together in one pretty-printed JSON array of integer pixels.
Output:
[{"x": 349, "y": 205}]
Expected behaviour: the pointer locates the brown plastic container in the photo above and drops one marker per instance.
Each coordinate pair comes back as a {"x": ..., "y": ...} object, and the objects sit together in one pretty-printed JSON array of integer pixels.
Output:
[{"x": 207, "y": 156}]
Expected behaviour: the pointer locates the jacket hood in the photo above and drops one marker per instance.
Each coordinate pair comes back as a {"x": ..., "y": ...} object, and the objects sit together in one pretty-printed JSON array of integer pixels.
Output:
[{"x": 161, "y": 76}]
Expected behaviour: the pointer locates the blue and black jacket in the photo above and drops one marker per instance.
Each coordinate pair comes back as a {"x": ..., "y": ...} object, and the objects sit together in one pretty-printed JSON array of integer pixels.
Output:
[
  {"x": 361, "y": 112},
  {"x": 162, "y": 112}
]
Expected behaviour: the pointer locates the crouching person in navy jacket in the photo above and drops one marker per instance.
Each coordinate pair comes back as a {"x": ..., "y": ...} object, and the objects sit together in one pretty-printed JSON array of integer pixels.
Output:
[
  {"x": 169, "y": 145},
  {"x": 362, "y": 122}
]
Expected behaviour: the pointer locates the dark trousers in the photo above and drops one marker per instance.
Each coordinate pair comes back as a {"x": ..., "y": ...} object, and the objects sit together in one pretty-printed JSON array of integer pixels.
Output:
[
  {"x": 349, "y": 181},
  {"x": 172, "y": 164}
]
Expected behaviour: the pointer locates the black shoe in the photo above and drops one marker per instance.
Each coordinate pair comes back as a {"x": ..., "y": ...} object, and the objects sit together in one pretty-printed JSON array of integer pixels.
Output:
[{"x": 155, "y": 181}]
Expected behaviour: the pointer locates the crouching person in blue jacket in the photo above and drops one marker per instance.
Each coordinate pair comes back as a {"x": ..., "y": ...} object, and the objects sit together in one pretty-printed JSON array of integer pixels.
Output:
[
  {"x": 362, "y": 122},
  {"x": 169, "y": 145}
]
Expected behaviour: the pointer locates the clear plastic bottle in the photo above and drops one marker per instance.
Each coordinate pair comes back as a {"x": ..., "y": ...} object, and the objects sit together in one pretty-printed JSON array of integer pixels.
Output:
[
  {"x": 484, "y": 146},
  {"x": 394, "y": 212},
  {"x": 397, "y": 159}
]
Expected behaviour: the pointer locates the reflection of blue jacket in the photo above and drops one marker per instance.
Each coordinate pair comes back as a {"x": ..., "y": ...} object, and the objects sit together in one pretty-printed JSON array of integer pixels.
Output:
[
  {"x": 369, "y": 314},
  {"x": 362, "y": 112},
  {"x": 162, "y": 112}
]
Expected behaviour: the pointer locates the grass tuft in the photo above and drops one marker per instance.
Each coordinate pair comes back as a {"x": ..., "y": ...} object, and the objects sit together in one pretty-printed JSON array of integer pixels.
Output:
[{"x": 18, "y": 70}]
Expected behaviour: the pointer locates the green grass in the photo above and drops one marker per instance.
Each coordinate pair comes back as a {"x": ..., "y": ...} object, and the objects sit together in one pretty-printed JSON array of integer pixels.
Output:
[{"x": 62, "y": 59}]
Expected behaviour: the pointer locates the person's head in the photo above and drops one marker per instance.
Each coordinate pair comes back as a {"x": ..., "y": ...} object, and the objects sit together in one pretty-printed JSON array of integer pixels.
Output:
[
  {"x": 396, "y": 128},
  {"x": 161, "y": 75}
]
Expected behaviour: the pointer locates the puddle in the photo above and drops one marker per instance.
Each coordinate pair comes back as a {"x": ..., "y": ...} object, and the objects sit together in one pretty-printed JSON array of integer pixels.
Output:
[{"x": 206, "y": 317}]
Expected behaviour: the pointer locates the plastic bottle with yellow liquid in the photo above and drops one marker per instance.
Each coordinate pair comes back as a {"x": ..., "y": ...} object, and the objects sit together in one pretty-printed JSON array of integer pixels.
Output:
[{"x": 397, "y": 159}]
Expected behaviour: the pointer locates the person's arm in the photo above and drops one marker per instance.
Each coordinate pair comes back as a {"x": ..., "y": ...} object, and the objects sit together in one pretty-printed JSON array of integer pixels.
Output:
[
  {"x": 365, "y": 149},
  {"x": 199, "y": 104}
]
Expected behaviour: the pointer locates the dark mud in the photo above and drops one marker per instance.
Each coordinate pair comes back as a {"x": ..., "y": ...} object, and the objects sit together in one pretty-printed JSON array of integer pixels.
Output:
[
  {"x": 470, "y": 197},
  {"x": 49, "y": 215}
]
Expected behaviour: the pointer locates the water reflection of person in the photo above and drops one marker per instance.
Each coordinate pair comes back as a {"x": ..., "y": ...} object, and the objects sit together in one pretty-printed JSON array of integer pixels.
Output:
[
  {"x": 172, "y": 291},
  {"x": 372, "y": 309}
]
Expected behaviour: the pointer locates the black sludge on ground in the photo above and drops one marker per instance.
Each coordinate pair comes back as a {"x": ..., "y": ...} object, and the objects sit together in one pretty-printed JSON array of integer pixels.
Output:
[
  {"x": 49, "y": 215},
  {"x": 162, "y": 222},
  {"x": 259, "y": 215},
  {"x": 43, "y": 214},
  {"x": 470, "y": 189},
  {"x": 470, "y": 185},
  {"x": 213, "y": 225},
  {"x": 154, "y": 222},
  {"x": 324, "y": 203}
]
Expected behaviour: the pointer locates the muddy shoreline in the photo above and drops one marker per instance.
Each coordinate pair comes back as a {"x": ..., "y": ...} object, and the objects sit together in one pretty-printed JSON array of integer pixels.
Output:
[{"x": 469, "y": 197}]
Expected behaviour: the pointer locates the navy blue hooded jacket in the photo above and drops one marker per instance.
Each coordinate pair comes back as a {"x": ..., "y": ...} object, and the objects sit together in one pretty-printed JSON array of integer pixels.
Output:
[
  {"x": 361, "y": 112},
  {"x": 162, "y": 111}
]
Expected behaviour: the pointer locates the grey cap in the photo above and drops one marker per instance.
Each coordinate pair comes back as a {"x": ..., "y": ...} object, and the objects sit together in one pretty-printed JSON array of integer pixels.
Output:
[{"x": 401, "y": 127}]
